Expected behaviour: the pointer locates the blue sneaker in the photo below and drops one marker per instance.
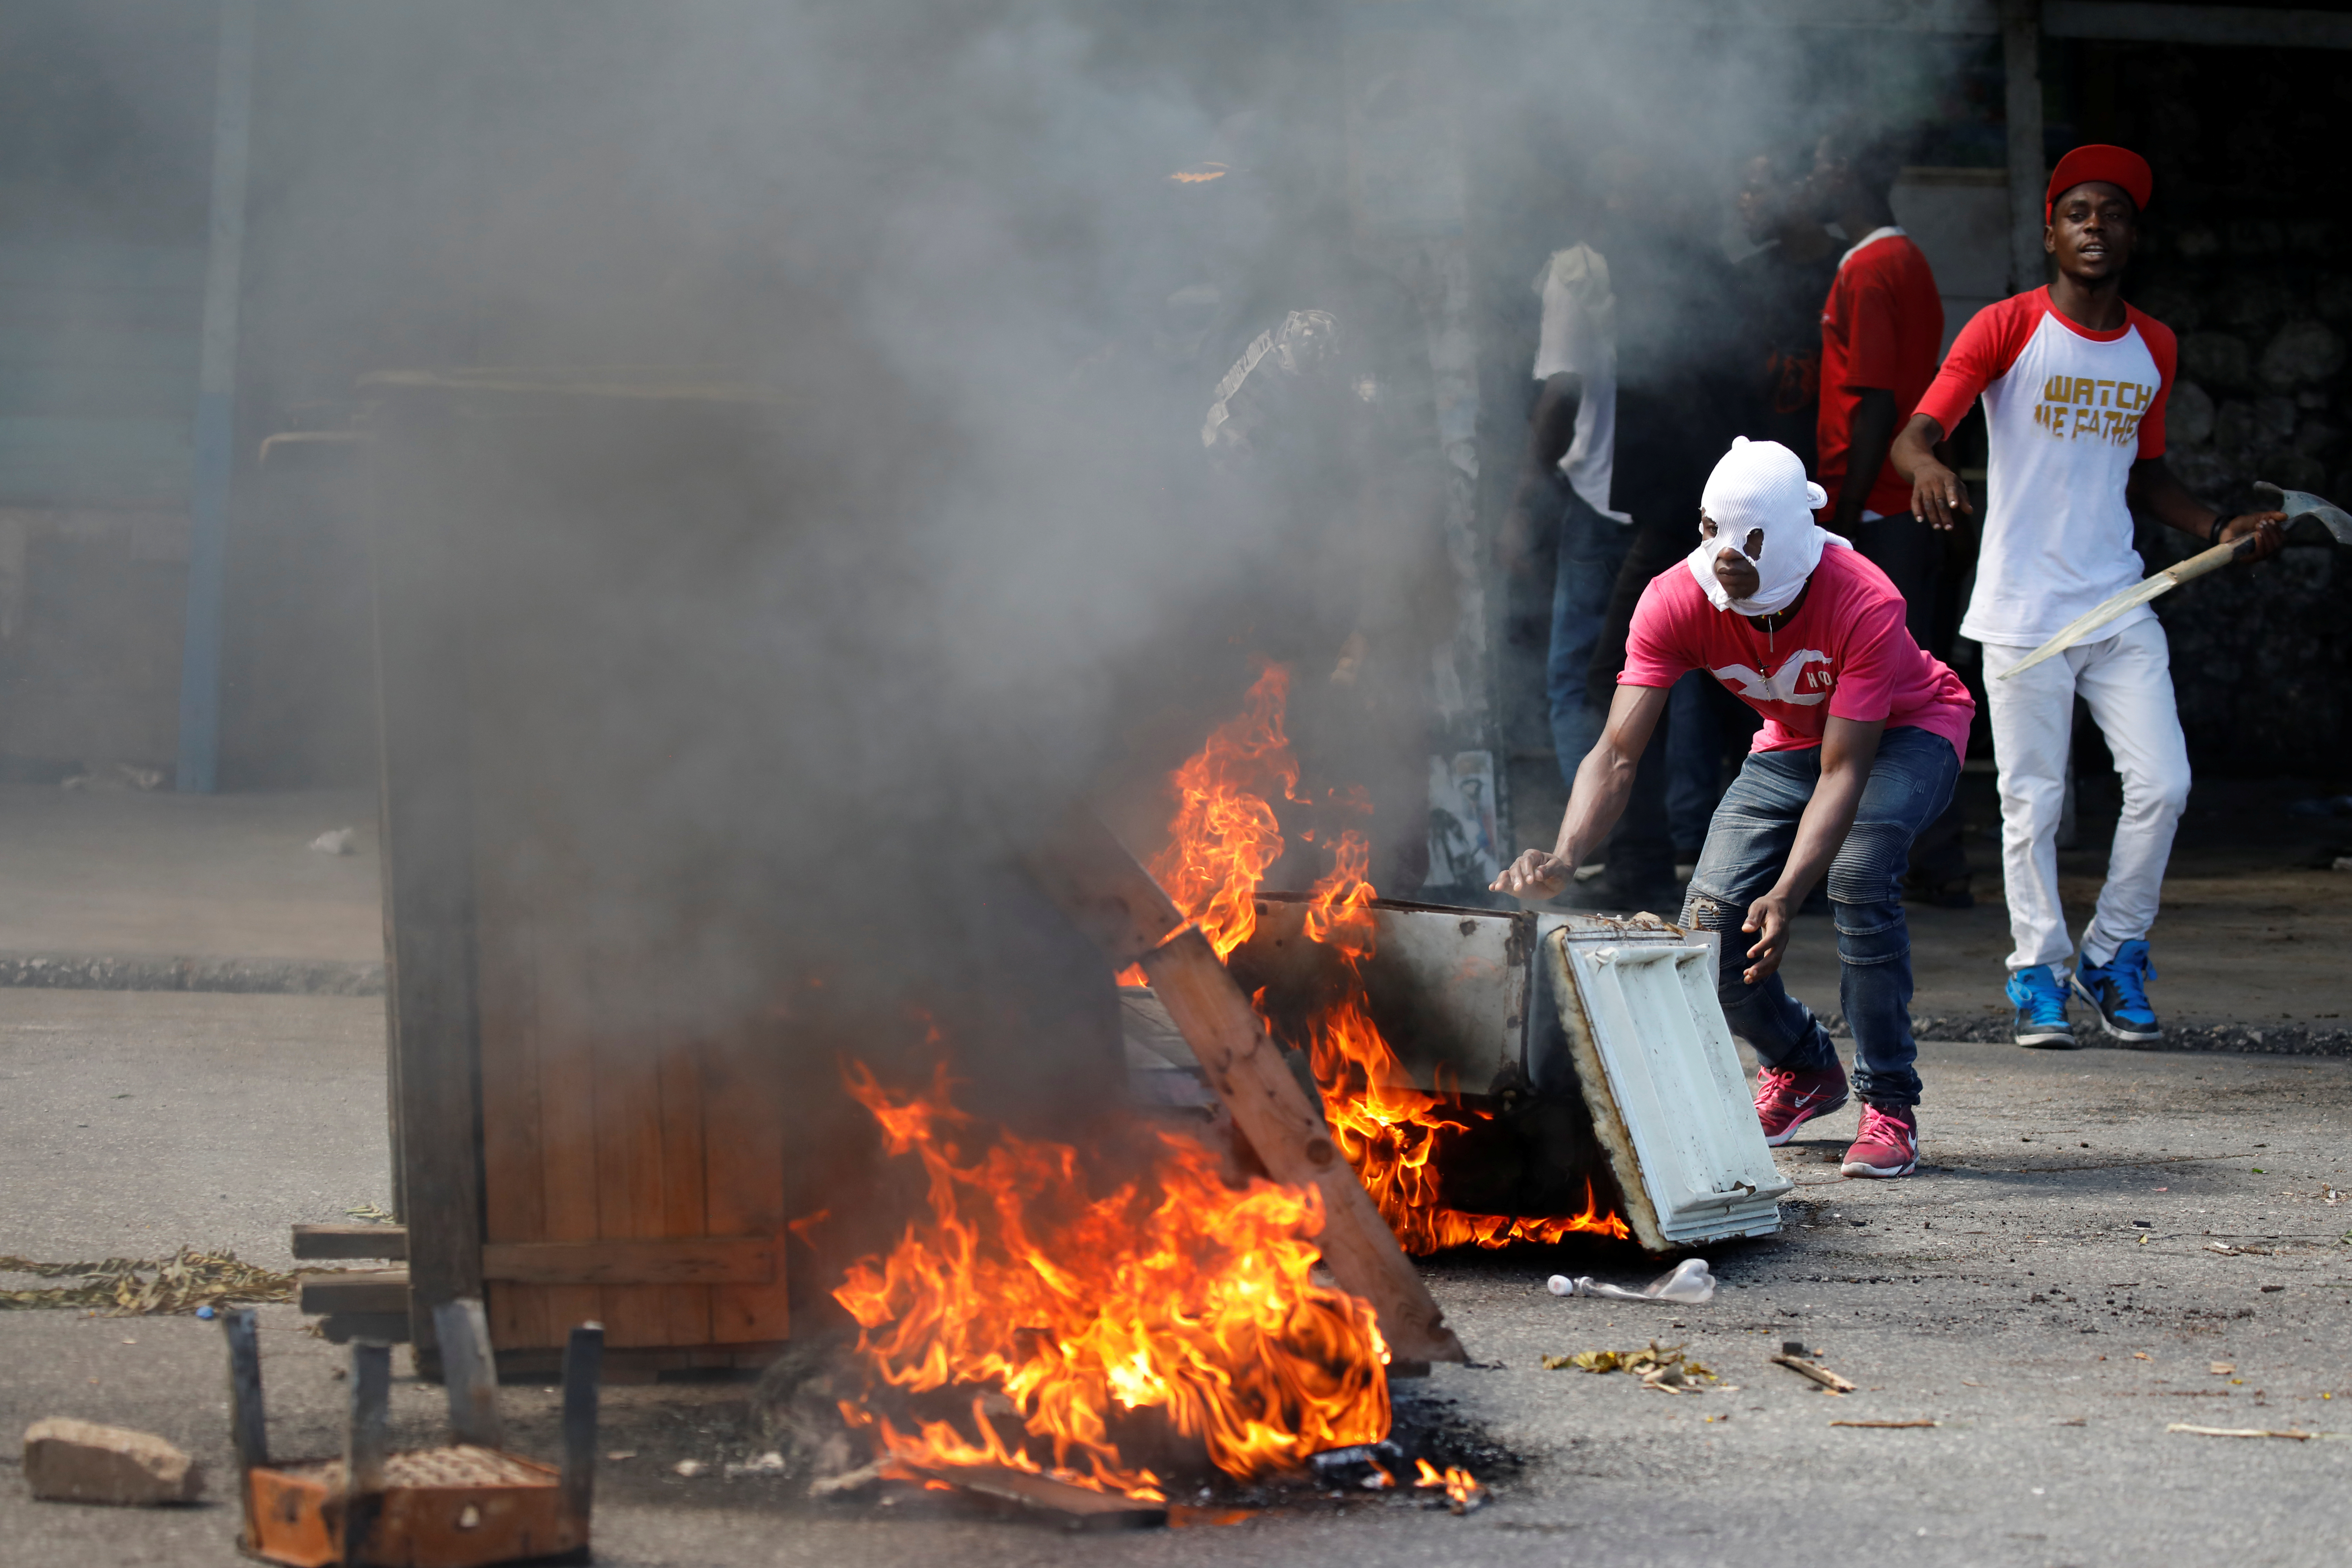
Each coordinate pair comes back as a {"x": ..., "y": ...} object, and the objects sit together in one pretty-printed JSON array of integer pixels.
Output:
[
  {"x": 2118, "y": 989},
  {"x": 2040, "y": 999}
]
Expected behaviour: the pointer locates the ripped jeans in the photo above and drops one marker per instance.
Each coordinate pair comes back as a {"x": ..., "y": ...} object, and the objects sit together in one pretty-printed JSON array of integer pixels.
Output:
[{"x": 1747, "y": 844}]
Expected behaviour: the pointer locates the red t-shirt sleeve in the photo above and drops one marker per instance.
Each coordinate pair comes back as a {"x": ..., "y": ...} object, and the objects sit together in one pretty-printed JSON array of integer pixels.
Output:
[
  {"x": 2165, "y": 349},
  {"x": 1655, "y": 652},
  {"x": 1878, "y": 653},
  {"x": 1980, "y": 355}
]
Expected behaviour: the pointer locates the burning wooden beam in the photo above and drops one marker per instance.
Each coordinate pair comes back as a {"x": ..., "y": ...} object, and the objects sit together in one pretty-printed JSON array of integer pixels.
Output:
[
  {"x": 1075, "y": 1508},
  {"x": 1100, "y": 885}
]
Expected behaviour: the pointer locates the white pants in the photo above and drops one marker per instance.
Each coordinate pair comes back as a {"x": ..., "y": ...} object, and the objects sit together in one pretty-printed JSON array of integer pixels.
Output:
[{"x": 2126, "y": 679}]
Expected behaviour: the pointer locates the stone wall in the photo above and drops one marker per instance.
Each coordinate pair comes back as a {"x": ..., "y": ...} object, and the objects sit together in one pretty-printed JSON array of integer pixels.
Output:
[{"x": 2247, "y": 259}]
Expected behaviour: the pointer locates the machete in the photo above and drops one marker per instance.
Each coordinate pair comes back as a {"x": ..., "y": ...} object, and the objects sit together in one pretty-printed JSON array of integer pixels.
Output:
[{"x": 2296, "y": 504}]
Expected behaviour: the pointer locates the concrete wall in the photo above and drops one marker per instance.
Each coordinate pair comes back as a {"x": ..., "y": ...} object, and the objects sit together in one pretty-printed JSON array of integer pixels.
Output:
[
  {"x": 2248, "y": 262},
  {"x": 98, "y": 352}
]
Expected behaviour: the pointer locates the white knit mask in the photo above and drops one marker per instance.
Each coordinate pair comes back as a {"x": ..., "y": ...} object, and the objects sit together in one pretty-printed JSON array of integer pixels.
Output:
[{"x": 1761, "y": 485}]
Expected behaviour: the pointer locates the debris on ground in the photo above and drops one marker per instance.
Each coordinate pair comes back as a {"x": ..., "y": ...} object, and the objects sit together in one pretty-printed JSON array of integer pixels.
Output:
[
  {"x": 81, "y": 1461},
  {"x": 1892, "y": 1425},
  {"x": 369, "y": 1214},
  {"x": 846, "y": 1482},
  {"x": 1661, "y": 1367},
  {"x": 186, "y": 1281},
  {"x": 690, "y": 1468},
  {"x": 335, "y": 841},
  {"x": 1364, "y": 1466},
  {"x": 1793, "y": 1356},
  {"x": 109, "y": 776},
  {"x": 1687, "y": 1285},
  {"x": 2245, "y": 1432}
]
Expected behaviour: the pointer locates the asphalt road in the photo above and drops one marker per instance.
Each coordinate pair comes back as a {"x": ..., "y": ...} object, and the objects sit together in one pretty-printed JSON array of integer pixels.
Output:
[{"x": 2048, "y": 1290}]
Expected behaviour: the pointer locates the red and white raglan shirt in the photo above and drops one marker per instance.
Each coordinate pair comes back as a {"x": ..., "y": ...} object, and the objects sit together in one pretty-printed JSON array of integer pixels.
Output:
[{"x": 2068, "y": 411}]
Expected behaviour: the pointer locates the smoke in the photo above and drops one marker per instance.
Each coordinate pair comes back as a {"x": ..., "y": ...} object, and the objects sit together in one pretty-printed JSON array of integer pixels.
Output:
[{"x": 777, "y": 688}]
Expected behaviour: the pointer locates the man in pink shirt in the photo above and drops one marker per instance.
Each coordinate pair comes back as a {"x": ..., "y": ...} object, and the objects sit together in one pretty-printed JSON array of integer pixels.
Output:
[{"x": 1859, "y": 750}]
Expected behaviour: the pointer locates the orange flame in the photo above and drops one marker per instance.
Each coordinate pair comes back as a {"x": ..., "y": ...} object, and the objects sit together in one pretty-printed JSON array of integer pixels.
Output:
[
  {"x": 1461, "y": 1487},
  {"x": 1224, "y": 840},
  {"x": 1224, "y": 836},
  {"x": 1176, "y": 1293},
  {"x": 1389, "y": 1131}
]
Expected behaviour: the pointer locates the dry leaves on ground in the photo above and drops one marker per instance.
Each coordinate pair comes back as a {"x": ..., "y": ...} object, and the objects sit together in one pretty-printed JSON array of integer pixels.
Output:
[
  {"x": 1661, "y": 1367},
  {"x": 128, "y": 1287}
]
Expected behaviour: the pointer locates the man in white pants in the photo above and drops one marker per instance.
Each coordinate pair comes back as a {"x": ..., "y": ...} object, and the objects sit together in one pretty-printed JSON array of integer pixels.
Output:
[{"x": 2074, "y": 382}]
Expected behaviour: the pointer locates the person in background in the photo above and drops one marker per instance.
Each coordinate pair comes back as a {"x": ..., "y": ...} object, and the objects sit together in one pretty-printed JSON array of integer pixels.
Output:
[
  {"x": 1859, "y": 749},
  {"x": 1881, "y": 329},
  {"x": 1564, "y": 482},
  {"x": 2074, "y": 382},
  {"x": 1778, "y": 398},
  {"x": 1782, "y": 284},
  {"x": 1677, "y": 408}
]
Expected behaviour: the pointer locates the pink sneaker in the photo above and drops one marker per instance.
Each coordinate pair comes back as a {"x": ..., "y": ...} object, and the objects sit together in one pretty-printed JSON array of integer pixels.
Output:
[
  {"x": 1786, "y": 1100},
  {"x": 1887, "y": 1144}
]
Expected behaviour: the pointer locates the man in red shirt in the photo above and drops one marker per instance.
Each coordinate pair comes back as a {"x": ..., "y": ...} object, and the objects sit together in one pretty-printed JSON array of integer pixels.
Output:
[
  {"x": 1882, "y": 332},
  {"x": 1859, "y": 749}
]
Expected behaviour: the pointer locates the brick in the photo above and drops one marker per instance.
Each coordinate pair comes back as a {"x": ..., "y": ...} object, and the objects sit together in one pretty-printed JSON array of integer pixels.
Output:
[{"x": 79, "y": 1461}]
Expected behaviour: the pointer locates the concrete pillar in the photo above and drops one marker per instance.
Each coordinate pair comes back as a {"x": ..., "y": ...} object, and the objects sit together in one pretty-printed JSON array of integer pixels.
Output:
[
  {"x": 2021, "y": 58},
  {"x": 215, "y": 425}
]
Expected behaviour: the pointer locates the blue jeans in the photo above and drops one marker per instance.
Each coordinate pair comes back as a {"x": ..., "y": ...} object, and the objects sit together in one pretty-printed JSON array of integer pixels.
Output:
[
  {"x": 1747, "y": 845},
  {"x": 1591, "y": 547},
  {"x": 1693, "y": 760}
]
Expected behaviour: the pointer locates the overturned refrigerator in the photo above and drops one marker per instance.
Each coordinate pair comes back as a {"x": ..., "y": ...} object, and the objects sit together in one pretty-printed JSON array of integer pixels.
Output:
[{"x": 1507, "y": 1077}]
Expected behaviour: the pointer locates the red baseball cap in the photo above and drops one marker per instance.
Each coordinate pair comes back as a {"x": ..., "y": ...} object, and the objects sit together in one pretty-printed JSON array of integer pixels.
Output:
[{"x": 2115, "y": 165}]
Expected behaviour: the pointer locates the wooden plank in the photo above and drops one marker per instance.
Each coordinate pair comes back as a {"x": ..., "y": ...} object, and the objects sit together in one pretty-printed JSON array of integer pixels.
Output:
[
  {"x": 645, "y": 1365},
  {"x": 568, "y": 1094},
  {"x": 678, "y": 1068},
  {"x": 1247, "y": 1071},
  {"x": 628, "y": 1167},
  {"x": 2239, "y": 27},
  {"x": 1075, "y": 1508},
  {"x": 513, "y": 1191},
  {"x": 427, "y": 877},
  {"x": 744, "y": 1114},
  {"x": 1085, "y": 870},
  {"x": 659, "y": 1260},
  {"x": 313, "y": 1243},
  {"x": 355, "y": 1290}
]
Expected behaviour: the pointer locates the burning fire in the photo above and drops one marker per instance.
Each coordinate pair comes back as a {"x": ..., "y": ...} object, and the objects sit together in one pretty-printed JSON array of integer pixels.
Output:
[
  {"x": 1174, "y": 1292},
  {"x": 1462, "y": 1490},
  {"x": 1224, "y": 835},
  {"x": 1225, "y": 839}
]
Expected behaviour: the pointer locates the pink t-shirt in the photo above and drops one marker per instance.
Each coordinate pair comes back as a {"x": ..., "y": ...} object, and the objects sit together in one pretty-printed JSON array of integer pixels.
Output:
[{"x": 1846, "y": 655}]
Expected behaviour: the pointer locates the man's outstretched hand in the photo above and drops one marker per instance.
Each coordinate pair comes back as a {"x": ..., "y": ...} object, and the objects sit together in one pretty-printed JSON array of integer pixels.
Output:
[
  {"x": 1534, "y": 875},
  {"x": 1768, "y": 916}
]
